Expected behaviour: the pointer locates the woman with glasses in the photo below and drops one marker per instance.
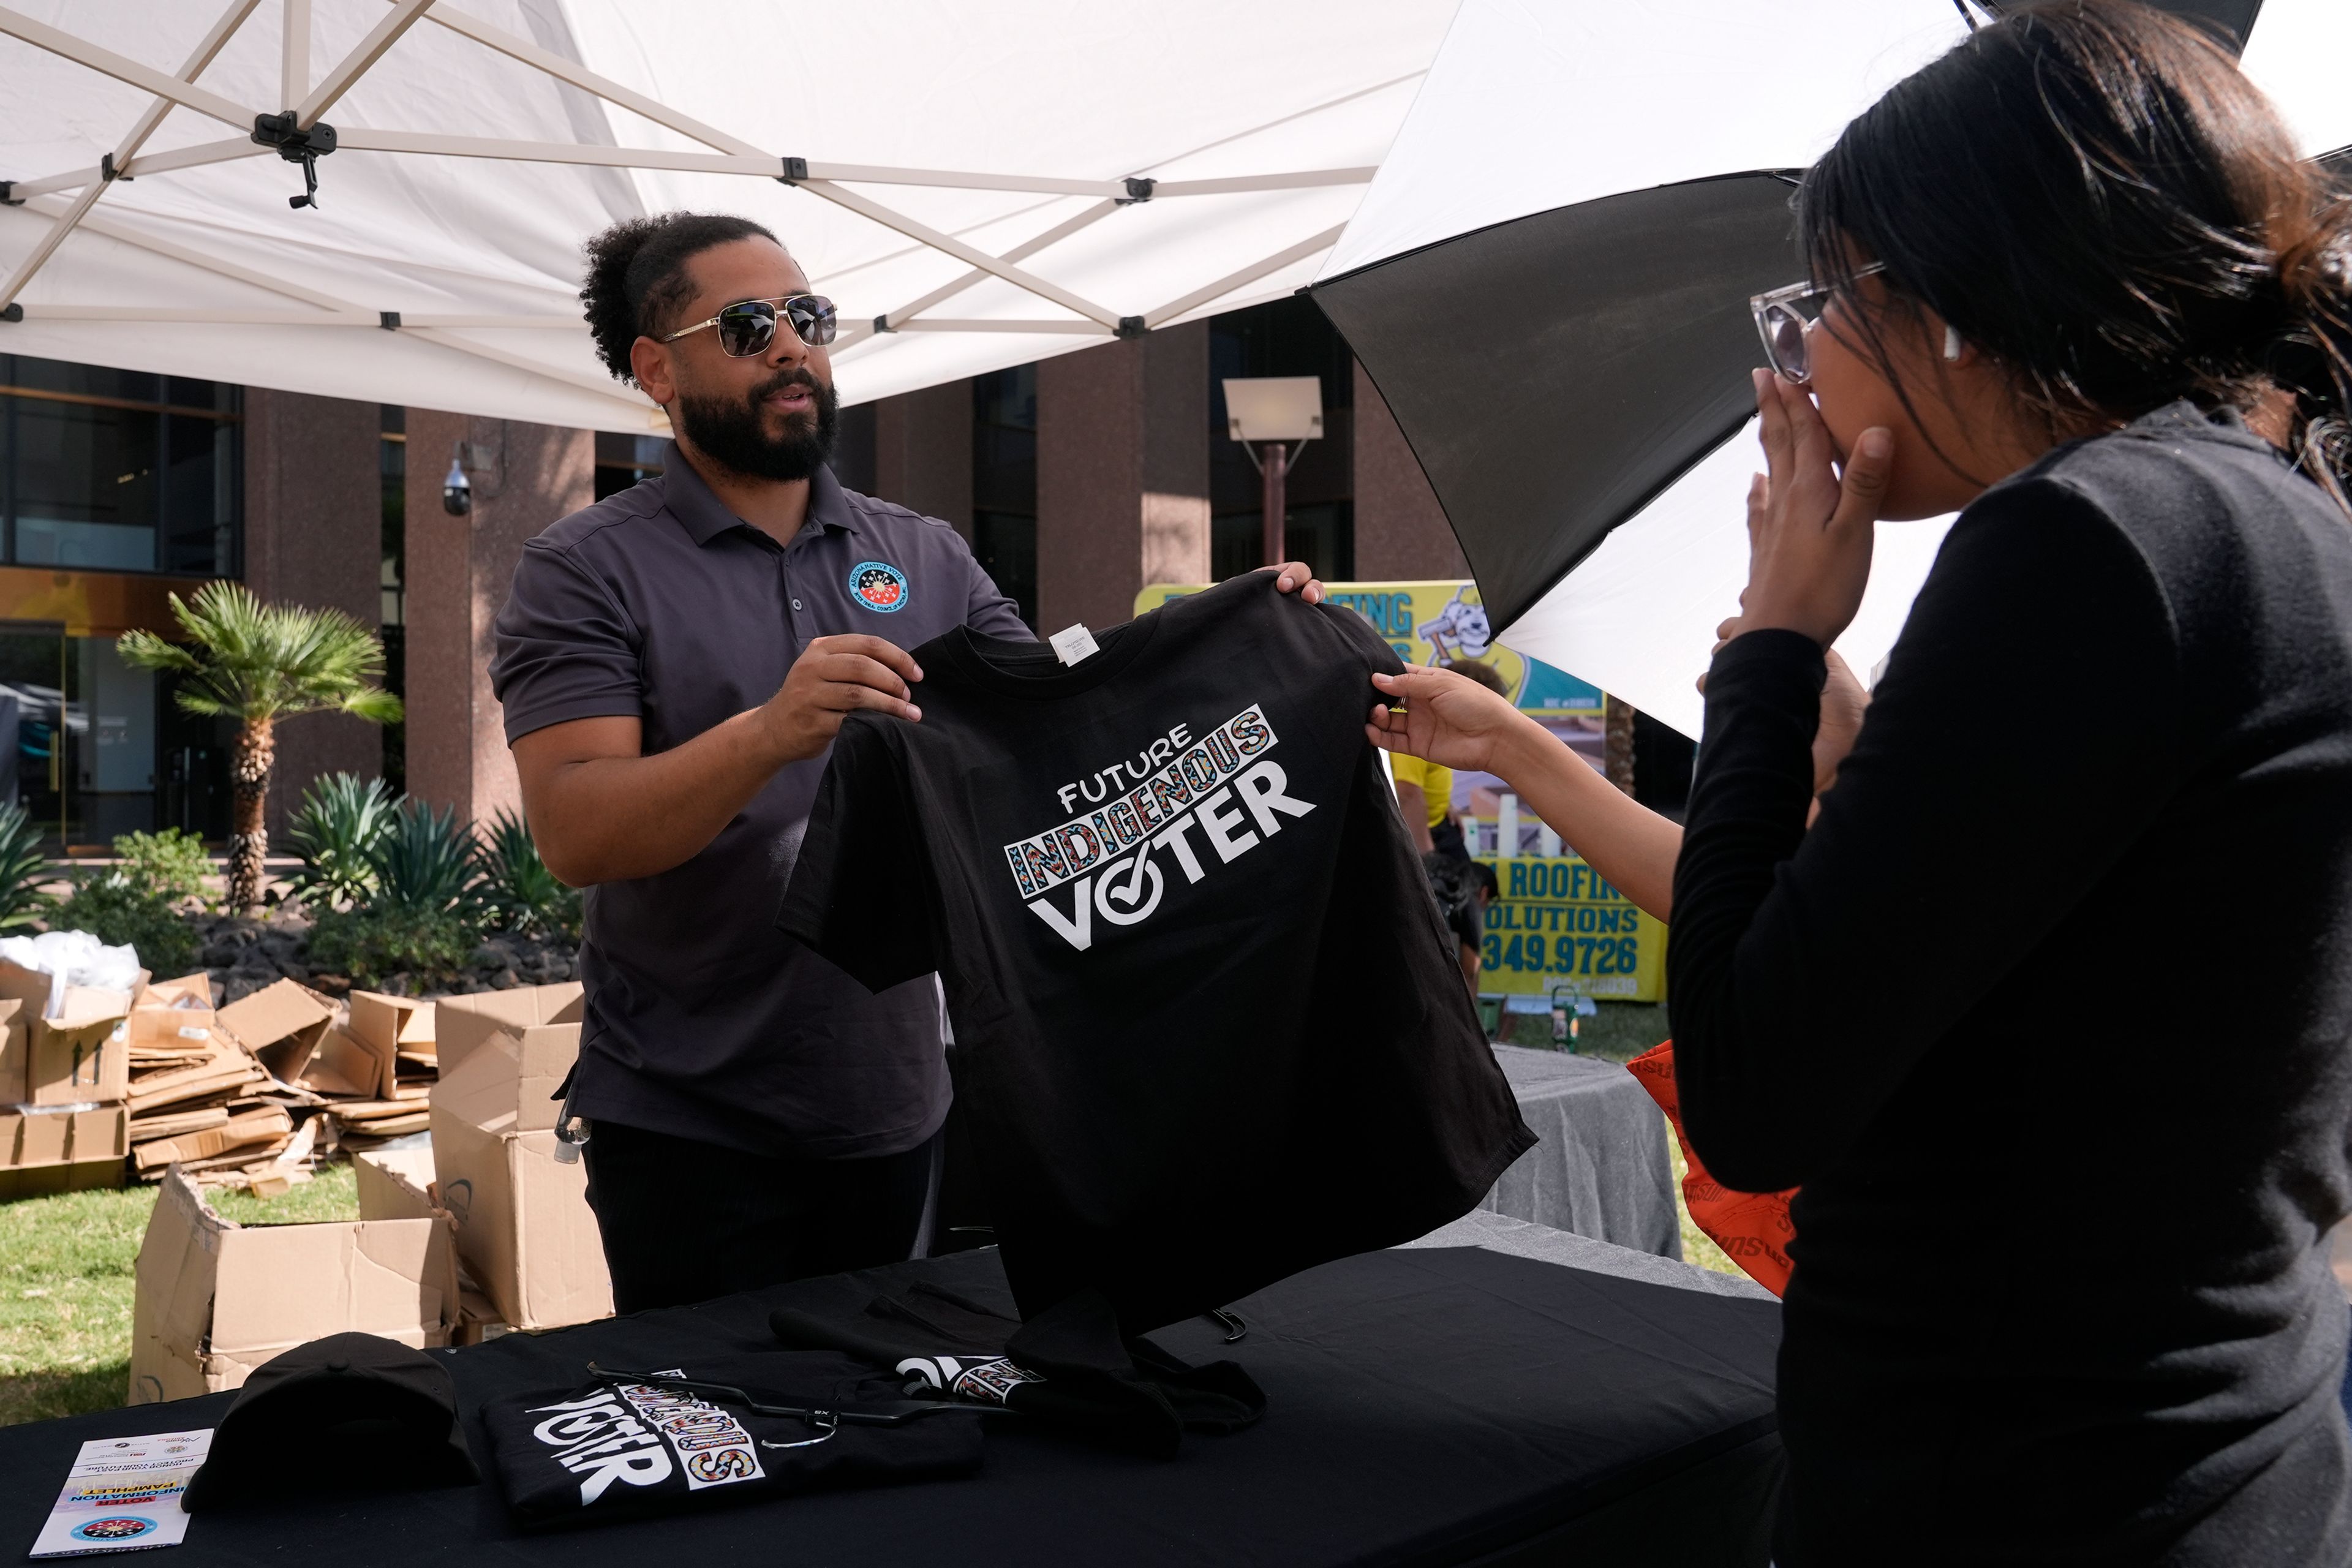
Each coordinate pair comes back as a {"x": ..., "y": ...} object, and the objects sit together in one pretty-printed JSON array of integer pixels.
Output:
[{"x": 2055, "y": 1044}]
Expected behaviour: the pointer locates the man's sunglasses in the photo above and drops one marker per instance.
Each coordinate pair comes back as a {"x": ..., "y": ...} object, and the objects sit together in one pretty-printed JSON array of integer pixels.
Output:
[
  {"x": 1782, "y": 316},
  {"x": 747, "y": 326}
]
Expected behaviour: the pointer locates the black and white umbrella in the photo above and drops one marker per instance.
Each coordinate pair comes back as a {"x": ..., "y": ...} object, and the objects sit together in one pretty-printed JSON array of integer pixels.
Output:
[{"x": 1548, "y": 282}]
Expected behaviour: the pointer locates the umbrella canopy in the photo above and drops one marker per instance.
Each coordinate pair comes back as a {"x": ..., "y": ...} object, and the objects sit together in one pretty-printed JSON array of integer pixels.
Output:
[
  {"x": 975, "y": 186},
  {"x": 1548, "y": 281}
]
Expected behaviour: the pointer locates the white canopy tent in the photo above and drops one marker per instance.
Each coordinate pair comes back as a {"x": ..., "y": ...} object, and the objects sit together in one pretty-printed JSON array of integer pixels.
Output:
[
  {"x": 1539, "y": 105},
  {"x": 976, "y": 187}
]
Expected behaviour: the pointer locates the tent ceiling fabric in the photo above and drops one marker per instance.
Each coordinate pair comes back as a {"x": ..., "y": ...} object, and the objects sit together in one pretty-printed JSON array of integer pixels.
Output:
[
  {"x": 1548, "y": 279},
  {"x": 966, "y": 178}
]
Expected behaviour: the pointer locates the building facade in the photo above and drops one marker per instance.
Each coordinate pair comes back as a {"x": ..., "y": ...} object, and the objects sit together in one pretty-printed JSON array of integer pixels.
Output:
[{"x": 1077, "y": 479}]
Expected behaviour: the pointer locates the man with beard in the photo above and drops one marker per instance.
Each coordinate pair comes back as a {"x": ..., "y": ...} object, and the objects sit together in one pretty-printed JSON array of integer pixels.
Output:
[{"x": 673, "y": 663}]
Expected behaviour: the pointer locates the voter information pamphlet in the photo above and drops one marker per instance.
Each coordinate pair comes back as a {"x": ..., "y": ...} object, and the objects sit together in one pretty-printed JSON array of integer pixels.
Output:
[{"x": 123, "y": 1494}]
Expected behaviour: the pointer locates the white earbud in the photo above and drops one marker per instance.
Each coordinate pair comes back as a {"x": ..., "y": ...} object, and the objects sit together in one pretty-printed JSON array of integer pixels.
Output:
[{"x": 1951, "y": 341}]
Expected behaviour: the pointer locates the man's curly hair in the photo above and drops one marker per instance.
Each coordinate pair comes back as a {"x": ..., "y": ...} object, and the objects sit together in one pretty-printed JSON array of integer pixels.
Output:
[{"x": 636, "y": 276}]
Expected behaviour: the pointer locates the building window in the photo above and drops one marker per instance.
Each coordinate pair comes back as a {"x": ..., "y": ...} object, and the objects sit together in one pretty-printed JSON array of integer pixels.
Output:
[
  {"x": 1005, "y": 483},
  {"x": 113, "y": 470},
  {"x": 1284, "y": 337},
  {"x": 626, "y": 460}
]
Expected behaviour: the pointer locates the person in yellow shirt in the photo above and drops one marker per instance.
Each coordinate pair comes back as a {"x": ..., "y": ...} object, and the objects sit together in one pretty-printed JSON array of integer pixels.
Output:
[{"x": 1425, "y": 796}]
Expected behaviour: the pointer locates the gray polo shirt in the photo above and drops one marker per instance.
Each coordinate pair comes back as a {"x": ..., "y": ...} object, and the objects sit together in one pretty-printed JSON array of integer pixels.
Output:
[{"x": 703, "y": 1020}]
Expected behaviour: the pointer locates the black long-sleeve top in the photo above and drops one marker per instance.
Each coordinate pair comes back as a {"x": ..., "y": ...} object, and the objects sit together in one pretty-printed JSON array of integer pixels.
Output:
[{"x": 2050, "y": 1015}]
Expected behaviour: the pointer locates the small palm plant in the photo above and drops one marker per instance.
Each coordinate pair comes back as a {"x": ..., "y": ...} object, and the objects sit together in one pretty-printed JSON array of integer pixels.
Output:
[
  {"x": 517, "y": 890},
  {"x": 259, "y": 664},
  {"x": 343, "y": 820},
  {"x": 425, "y": 862}
]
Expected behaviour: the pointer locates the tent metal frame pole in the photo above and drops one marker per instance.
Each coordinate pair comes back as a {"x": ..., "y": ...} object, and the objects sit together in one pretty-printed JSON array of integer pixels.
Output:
[
  {"x": 106, "y": 62},
  {"x": 353, "y": 66},
  {"x": 1247, "y": 275},
  {"x": 143, "y": 127},
  {"x": 733, "y": 155},
  {"x": 970, "y": 255},
  {"x": 294, "y": 54},
  {"x": 352, "y": 317},
  {"x": 337, "y": 307},
  {"x": 579, "y": 76},
  {"x": 891, "y": 320}
]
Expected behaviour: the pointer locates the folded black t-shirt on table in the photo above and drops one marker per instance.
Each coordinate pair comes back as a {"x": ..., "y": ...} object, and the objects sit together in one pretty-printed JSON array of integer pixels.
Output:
[
  {"x": 1068, "y": 1368},
  {"x": 1208, "y": 1028},
  {"x": 611, "y": 1450}
]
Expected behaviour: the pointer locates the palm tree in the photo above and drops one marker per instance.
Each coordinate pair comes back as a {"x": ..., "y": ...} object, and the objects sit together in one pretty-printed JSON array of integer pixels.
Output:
[{"x": 257, "y": 664}]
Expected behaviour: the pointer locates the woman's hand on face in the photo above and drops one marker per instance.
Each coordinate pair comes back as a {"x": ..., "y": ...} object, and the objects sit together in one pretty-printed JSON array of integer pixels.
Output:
[
  {"x": 1809, "y": 530},
  {"x": 1448, "y": 719}
]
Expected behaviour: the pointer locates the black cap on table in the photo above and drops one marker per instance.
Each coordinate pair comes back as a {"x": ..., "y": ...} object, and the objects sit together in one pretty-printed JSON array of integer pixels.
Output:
[{"x": 384, "y": 1416}]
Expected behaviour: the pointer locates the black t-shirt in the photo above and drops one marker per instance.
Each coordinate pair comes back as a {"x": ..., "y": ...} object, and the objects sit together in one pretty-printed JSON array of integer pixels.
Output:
[{"x": 1208, "y": 1028}]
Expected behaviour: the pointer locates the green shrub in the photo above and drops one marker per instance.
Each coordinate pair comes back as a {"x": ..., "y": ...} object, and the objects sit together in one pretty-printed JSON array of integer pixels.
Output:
[
  {"x": 114, "y": 909},
  {"x": 516, "y": 889},
  {"x": 23, "y": 867},
  {"x": 170, "y": 865},
  {"x": 425, "y": 861},
  {"x": 370, "y": 946},
  {"x": 343, "y": 820}
]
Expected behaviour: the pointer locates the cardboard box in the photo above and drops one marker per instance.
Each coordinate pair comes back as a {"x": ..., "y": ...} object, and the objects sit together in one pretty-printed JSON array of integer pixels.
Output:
[
  {"x": 62, "y": 1149},
  {"x": 463, "y": 1023},
  {"x": 15, "y": 1053},
  {"x": 397, "y": 1184},
  {"x": 173, "y": 1015},
  {"x": 346, "y": 1064},
  {"x": 395, "y": 1023},
  {"x": 216, "y": 1299},
  {"x": 283, "y": 1024},
  {"x": 75, "y": 1060},
  {"x": 524, "y": 1228}
]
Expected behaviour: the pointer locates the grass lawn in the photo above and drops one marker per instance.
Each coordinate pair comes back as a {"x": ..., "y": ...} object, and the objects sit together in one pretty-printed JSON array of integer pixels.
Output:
[{"x": 66, "y": 1275}]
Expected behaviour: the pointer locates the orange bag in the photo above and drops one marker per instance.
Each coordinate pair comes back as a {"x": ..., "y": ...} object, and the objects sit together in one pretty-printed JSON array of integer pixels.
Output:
[{"x": 1752, "y": 1228}]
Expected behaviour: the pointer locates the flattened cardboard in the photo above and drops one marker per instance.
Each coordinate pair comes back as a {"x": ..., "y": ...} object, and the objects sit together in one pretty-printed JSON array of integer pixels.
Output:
[
  {"x": 216, "y": 1299},
  {"x": 283, "y": 1024},
  {"x": 462, "y": 1023},
  {"x": 524, "y": 1228},
  {"x": 348, "y": 1064},
  {"x": 263, "y": 1126},
  {"x": 77, "y": 1059}
]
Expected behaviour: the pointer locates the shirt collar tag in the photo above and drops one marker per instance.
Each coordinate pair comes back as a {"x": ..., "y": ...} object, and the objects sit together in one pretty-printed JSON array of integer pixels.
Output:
[{"x": 1072, "y": 643}]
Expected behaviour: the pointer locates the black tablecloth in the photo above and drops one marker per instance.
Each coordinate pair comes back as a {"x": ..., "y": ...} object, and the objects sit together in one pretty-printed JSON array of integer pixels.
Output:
[{"x": 1441, "y": 1405}]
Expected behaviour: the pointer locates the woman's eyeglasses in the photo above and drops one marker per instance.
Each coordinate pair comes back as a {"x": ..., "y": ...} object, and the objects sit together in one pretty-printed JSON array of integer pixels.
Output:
[
  {"x": 747, "y": 326},
  {"x": 1782, "y": 316}
]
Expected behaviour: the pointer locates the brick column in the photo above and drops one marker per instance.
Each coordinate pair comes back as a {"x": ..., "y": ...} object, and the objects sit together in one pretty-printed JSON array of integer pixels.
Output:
[
  {"x": 1122, "y": 474},
  {"x": 922, "y": 452},
  {"x": 1401, "y": 534},
  {"x": 313, "y": 535},
  {"x": 459, "y": 569}
]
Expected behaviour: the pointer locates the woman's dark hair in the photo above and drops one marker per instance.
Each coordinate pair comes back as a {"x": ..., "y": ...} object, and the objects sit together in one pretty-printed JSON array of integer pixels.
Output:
[
  {"x": 2092, "y": 194},
  {"x": 636, "y": 276}
]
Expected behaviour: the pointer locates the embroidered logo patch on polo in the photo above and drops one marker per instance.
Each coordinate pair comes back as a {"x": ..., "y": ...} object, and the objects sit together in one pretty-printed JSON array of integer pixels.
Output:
[{"x": 878, "y": 585}]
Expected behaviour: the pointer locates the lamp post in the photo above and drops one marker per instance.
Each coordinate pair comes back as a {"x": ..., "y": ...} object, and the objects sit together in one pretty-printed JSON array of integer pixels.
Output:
[{"x": 1282, "y": 413}]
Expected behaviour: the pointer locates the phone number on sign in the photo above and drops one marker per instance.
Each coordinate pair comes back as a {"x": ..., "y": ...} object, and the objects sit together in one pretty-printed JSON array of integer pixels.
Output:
[{"x": 1561, "y": 955}]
